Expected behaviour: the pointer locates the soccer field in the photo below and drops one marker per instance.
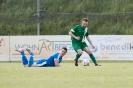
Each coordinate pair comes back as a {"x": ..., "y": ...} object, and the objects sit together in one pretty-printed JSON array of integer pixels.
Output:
[{"x": 112, "y": 74}]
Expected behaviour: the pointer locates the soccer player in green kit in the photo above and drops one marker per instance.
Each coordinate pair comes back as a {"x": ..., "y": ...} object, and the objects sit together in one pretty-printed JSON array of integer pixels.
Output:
[{"x": 78, "y": 34}]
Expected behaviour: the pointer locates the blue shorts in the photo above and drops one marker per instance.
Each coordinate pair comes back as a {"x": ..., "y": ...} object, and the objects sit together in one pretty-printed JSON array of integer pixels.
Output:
[{"x": 41, "y": 63}]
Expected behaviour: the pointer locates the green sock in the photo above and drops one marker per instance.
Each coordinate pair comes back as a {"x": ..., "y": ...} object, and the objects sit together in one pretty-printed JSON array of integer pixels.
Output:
[
  {"x": 77, "y": 56},
  {"x": 93, "y": 58}
]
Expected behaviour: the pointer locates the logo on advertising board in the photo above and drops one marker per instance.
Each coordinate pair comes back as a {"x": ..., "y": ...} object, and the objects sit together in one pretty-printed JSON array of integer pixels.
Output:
[
  {"x": 45, "y": 45},
  {"x": 2, "y": 42}
]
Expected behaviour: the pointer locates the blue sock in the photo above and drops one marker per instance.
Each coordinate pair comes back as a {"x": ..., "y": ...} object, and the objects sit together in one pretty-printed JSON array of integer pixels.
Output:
[
  {"x": 31, "y": 60},
  {"x": 24, "y": 59}
]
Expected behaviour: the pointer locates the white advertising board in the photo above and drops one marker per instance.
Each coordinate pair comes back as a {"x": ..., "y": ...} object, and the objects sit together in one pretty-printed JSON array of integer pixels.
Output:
[
  {"x": 4, "y": 48},
  {"x": 113, "y": 47},
  {"x": 42, "y": 46},
  {"x": 108, "y": 47}
]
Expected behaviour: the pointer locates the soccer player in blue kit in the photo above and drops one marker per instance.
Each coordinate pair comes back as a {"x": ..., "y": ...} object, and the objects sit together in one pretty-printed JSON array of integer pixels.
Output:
[{"x": 53, "y": 61}]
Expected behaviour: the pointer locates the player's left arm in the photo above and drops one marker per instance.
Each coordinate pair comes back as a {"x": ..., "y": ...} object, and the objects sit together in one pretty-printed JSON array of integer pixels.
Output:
[
  {"x": 87, "y": 37},
  {"x": 56, "y": 63}
]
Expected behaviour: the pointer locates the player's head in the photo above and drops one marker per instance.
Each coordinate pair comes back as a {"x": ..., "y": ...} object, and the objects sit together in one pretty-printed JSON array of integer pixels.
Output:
[
  {"x": 85, "y": 22},
  {"x": 63, "y": 51}
]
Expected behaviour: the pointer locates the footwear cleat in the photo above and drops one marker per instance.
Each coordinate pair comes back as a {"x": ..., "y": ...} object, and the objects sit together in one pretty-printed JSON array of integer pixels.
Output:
[
  {"x": 76, "y": 62},
  {"x": 28, "y": 50},
  {"x": 97, "y": 65},
  {"x": 19, "y": 50}
]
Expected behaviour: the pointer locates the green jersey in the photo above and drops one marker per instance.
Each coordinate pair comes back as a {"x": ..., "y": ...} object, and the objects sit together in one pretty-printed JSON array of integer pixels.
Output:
[{"x": 81, "y": 32}]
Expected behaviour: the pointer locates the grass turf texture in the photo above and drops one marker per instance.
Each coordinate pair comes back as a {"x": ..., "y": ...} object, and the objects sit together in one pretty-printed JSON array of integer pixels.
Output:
[{"x": 112, "y": 74}]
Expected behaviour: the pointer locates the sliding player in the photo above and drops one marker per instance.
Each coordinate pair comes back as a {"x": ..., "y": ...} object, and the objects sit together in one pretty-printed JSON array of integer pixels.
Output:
[{"x": 53, "y": 61}]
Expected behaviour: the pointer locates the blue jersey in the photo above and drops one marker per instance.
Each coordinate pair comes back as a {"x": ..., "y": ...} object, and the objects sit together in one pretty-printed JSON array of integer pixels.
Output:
[
  {"x": 49, "y": 61},
  {"x": 55, "y": 56}
]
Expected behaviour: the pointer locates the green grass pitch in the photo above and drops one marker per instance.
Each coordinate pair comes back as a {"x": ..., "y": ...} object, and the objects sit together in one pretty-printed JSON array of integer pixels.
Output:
[{"x": 112, "y": 74}]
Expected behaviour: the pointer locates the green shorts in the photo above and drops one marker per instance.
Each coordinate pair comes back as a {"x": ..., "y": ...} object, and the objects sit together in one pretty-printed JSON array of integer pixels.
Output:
[{"x": 78, "y": 46}]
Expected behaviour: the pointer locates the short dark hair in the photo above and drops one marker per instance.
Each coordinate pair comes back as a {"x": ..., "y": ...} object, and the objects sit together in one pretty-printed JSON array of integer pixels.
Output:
[
  {"x": 64, "y": 48},
  {"x": 85, "y": 19}
]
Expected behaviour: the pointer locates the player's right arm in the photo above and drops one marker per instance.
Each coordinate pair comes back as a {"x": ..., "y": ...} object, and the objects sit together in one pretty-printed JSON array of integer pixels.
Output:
[
  {"x": 56, "y": 63},
  {"x": 72, "y": 35}
]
